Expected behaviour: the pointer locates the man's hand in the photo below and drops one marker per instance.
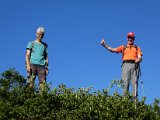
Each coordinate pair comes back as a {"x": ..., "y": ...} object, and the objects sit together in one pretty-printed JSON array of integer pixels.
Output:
[
  {"x": 47, "y": 70},
  {"x": 139, "y": 59},
  {"x": 103, "y": 42},
  {"x": 28, "y": 68}
]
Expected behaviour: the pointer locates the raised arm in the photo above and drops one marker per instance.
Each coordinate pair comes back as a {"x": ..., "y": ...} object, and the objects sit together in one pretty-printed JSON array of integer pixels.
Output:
[{"x": 103, "y": 43}]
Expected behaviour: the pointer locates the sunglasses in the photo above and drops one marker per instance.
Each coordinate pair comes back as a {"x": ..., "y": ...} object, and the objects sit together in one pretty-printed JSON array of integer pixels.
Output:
[{"x": 131, "y": 38}]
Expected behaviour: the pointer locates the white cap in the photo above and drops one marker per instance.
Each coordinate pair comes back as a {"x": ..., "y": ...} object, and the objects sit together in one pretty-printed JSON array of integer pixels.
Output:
[{"x": 41, "y": 29}]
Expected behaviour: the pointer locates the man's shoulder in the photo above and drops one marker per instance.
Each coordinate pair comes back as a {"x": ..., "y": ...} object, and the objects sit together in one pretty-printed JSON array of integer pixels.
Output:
[
  {"x": 45, "y": 44},
  {"x": 30, "y": 44},
  {"x": 121, "y": 46}
]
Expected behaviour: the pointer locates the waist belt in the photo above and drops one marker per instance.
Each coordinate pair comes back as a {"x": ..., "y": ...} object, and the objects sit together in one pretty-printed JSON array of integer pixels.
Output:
[{"x": 129, "y": 61}]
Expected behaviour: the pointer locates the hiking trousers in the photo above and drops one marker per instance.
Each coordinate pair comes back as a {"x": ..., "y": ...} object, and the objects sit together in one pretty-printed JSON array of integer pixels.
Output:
[
  {"x": 37, "y": 70},
  {"x": 130, "y": 75}
]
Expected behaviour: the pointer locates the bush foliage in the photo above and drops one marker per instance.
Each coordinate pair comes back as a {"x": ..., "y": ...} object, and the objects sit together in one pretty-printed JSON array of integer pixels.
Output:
[{"x": 18, "y": 102}]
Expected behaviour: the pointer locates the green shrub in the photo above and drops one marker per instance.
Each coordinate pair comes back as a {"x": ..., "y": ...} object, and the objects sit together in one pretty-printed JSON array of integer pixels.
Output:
[{"x": 17, "y": 101}]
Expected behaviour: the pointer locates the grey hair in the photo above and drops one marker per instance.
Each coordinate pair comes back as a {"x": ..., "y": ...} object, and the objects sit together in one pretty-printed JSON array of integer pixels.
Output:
[{"x": 41, "y": 29}]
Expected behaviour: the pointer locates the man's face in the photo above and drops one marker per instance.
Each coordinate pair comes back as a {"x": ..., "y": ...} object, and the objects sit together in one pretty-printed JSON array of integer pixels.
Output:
[
  {"x": 39, "y": 35},
  {"x": 130, "y": 40}
]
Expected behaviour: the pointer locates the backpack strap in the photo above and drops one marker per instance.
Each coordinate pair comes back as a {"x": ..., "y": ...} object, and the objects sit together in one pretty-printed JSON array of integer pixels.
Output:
[
  {"x": 45, "y": 49},
  {"x": 32, "y": 47},
  {"x": 124, "y": 48},
  {"x": 136, "y": 50}
]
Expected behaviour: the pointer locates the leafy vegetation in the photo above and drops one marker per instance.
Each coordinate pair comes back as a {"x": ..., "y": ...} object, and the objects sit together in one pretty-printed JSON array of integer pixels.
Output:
[{"x": 18, "y": 102}]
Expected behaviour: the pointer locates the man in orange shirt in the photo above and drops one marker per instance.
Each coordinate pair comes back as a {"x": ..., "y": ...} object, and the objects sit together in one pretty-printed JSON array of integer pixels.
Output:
[{"x": 131, "y": 57}]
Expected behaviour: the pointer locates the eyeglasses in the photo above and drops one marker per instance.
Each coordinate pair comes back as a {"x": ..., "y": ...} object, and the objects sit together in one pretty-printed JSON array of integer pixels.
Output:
[
  {"x": 130, "y": 37},
  {"x": 40, "y": 34}
]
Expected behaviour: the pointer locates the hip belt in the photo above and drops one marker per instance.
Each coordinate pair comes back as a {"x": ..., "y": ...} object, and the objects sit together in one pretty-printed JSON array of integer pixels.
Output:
[{"x": 129, "y": 61}]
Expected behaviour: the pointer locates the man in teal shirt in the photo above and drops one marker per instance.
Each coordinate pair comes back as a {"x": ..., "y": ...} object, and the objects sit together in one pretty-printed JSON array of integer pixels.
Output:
[{"x": 37, "y": 59}]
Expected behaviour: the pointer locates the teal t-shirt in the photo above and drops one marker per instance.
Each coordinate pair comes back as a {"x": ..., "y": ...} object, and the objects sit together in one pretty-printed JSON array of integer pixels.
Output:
[{"x": 38, "y": 52}]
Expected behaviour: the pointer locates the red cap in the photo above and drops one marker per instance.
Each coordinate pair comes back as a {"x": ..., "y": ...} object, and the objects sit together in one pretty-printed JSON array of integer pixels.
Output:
[{"x": 130, "y": 34}]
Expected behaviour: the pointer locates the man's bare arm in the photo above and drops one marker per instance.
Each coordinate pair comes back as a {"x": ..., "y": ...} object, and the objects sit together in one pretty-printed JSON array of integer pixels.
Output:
[
  {"x": 108, "y": 47},
  {"x": 28, "y": 60}
]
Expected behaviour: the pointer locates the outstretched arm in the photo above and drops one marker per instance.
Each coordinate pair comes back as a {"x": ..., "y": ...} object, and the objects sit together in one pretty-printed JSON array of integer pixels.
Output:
[{"x": 103, "y": 43}]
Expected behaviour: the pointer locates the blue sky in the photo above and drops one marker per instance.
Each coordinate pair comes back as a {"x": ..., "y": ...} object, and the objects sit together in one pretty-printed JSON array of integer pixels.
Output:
[{"x": 74, "y": 29}]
